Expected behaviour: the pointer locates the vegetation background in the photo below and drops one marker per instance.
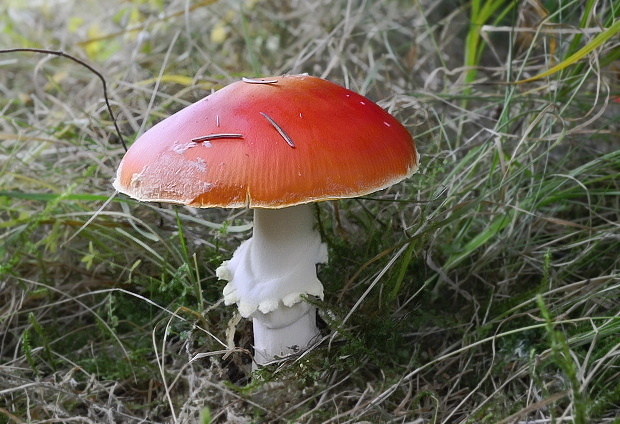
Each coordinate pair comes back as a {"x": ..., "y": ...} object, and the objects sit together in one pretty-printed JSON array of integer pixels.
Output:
[{"x": 485, "y": 289}]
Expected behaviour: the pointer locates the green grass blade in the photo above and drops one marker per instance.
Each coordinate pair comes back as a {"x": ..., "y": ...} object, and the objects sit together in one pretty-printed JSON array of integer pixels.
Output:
[{"x": 598, "y": 41}]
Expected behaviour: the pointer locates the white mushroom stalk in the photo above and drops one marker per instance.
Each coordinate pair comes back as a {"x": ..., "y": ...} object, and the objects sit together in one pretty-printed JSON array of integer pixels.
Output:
[{"x": 269, "y": 275}]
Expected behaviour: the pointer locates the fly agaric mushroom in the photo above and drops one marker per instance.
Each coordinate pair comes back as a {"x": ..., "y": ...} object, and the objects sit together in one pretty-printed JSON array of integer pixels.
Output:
[{"x": 273, "y": 144}]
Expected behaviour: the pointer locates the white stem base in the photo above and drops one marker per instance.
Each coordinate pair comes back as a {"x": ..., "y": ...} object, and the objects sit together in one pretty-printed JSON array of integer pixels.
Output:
[{"x": 275, "y": 342}]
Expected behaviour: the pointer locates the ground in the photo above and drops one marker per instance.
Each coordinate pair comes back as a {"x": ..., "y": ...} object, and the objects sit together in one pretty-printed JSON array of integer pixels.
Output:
[{"x": 484, "y": 289}]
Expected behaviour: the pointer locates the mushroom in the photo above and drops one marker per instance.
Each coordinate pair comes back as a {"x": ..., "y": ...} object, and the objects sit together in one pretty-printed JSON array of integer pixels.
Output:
[{"x": 276, "y": 145}]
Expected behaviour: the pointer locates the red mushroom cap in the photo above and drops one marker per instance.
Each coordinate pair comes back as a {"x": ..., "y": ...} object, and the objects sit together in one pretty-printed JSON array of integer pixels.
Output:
[{"x": 269, "y": 143}]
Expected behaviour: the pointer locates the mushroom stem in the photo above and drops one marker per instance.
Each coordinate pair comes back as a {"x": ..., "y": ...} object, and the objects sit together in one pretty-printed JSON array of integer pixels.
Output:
[
  {"x": 270, "y": 273},
  {"x": 272, "y": 341}
]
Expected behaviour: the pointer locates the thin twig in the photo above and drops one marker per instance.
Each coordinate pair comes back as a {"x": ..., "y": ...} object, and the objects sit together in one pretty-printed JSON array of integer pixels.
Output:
[
  {"x": 86, "y": 65},
  {"x": 215, "y": 137},
  {"x": 279, "y": 129},
  {"x": 257, "y": 81}
]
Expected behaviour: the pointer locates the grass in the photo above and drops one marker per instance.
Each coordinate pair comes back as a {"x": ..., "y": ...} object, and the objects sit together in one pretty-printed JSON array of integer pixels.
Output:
[{"x": 484, "y": 289}]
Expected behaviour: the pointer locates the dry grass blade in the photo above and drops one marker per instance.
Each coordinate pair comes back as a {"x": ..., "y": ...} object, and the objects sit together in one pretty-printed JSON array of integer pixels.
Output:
[
  {"x": 482, "y": 290},
  {"x": 596, "y": 42}
]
